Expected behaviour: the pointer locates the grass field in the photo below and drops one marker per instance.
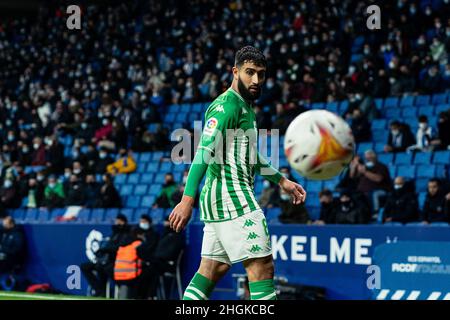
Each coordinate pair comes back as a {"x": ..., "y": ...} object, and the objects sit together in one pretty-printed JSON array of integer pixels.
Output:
[{"x": 12, "y": 295}]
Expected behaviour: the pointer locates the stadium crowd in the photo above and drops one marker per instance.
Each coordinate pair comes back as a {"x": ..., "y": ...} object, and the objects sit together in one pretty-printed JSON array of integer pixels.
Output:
[{"x": 102, "y": 86}]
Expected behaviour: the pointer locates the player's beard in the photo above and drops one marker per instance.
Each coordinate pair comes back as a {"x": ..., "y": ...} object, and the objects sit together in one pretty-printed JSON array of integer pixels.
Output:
[{"x": 246, "y": 93}]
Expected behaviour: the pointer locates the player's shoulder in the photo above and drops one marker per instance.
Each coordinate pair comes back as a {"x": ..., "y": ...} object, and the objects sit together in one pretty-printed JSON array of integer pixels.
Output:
[{"x": 227, "y": 102}]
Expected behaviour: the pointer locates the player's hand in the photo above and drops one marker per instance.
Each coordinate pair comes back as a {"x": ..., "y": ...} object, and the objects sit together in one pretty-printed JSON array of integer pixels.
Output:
[
  {"x": 294, "y": 189},
  {"x": 181, "y": 214}
]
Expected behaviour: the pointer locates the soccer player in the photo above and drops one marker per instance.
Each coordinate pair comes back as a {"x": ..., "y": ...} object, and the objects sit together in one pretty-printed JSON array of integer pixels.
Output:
[{"x": 235, "y": 227}]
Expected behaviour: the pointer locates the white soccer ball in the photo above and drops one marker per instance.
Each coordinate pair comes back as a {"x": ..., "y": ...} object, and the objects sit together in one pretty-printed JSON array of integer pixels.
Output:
[{"x": 319, "y": 144}]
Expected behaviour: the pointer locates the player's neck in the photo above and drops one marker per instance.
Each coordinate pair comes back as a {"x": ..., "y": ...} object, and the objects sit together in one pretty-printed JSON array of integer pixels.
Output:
[{"x": 234, "y": 87}]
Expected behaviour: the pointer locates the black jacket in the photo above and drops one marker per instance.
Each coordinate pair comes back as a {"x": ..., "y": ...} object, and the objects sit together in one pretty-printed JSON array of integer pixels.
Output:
[
  {"x": 328, "y": 212},
  {"x": 107, "y": 252},
  {"x": 435, "y": 209},
  {"x": 354, "y": 213},
  {"x": 401, "y": 206},
  {"x": 147, "y": 248},
  {"x": 12, "y": 244},
  {"x": 169, "y": 246}
]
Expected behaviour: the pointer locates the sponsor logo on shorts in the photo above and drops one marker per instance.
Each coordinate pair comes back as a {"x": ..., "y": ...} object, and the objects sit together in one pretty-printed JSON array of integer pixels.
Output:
[
  {"x": 252, "y": 236},
  {"x": 249, "y": 223},
  {"x": 255, "y": 248}
]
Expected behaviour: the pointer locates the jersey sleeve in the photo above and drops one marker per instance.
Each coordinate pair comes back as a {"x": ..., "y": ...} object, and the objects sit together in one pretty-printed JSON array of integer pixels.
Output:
[{"x": 266, "y": 170}]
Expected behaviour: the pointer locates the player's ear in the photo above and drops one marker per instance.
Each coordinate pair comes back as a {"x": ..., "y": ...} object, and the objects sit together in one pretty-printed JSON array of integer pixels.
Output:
[{"x": 235, "y": 73}]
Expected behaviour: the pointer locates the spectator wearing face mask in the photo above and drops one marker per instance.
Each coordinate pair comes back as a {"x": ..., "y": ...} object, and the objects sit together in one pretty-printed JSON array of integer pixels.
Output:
[
  {"x": 437, "y": 204},
  {"x": 109, "y": 196},
  {"x": 91, "y": 191},
  {"x": 9, "y": 196},
  {"x": 78, "y": 170},
  {"x": 399, "y": 138},
  {"x": 269, "y": 195},
  {"x": 350, "y": 211},
  {"x": 24, "y": 155},
  {"x": 54, "y": 193},
  {"x": 75, "y": 193},
  {"x": 38, "y": 157},
  {"x": 360, "y": 127},
  {"x": 125, "y": 163},
  {"x": 12, "y": 245},
  {"x": 104, "y": 159},
  {"x": 373, "y": 179},
  {"x": 291, "y": 213},
  {"x": 328, "y": 207},
  {"x": 165, "y": 198},
  {"x": 425, "y": 134},
  {"x": 401, "y": 204},
  {"x": 55, "y": 155},
  {"x": 442, "y": 140},
  {"x": 35, "y": 193}
]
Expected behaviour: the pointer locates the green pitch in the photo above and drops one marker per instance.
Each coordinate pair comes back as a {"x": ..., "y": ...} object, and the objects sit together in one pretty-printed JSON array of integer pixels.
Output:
[{"x": 12, "y": 295}]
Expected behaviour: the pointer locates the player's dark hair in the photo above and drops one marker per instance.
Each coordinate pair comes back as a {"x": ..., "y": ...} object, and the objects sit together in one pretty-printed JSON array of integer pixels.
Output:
[
  {"x": 438, "y": 182},
  {"x": 423, "y": 118},
  {"x": 250, "y": 54}
]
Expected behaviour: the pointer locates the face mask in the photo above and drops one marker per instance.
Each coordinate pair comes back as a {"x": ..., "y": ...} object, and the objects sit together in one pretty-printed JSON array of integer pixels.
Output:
[
  {"x": 394, "y": 132},
  {"x": 67, "y": 175},
  {"x": 423, "y": 125},
  {"x": 51, "y": 185},
  {"x": 366, "y": 51},
  {"x": 102, "y": 155},
  {"x": 144, "y": 226},
  {"x": 36, "y": 146},
  {"x": 331, "y": 69},
  {"x": 345, "y": 206},
  {"x": 397, "y": 186},
  {"x": 76, "y": 171},
  {"x": 266, "y": 184},
  {"x": 7, "y": 184},
  {"x": 351, "y": 69},
  {"x": 25, "y": 150},
  {"x": 369, "y": 164},
  {"x": 40, "y": 178},
  {"x": 270, "y": 84},
  {"x": 391, "y": 80},
  {"x": 84, "y": 126},
  {"x": 284, "y": 196},
  {"x": 10, "y": 138},
  {"x": 391, "y": 65},
  {"x": 105, "y": 122}
]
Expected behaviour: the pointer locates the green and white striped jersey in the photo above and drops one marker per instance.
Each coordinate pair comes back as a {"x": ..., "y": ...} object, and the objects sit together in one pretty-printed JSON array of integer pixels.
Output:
[{"x": 230, "y": 134}]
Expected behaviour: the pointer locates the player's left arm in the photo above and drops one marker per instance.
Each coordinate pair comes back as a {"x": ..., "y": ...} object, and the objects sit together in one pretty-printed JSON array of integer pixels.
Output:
[{"x": 266, "y": 170}]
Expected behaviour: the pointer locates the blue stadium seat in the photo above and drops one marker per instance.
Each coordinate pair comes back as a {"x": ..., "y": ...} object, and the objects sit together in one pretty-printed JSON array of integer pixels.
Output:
[
  {"x": 407, "y": 101},
  {"x": 30, "y": 215},
  {"x": 160, "y": 177},
  {"x": 272, "y": 213},
  {"x": 154, "y": 189},
  {"x": 442, "y": 171},
  {"x": 180, "y": 167},
  {"x": 120, "y": 179},
  {"x": 422, "y": 158},
  {"x": 318, "y": 105},
  {"x": 145, "y": 157},
  {"x": 332, "y": 106},
  {"x": 18, "y": 214},
  {"x": 330, "y": 184},
  {"x": 421, "y": 199},
  {"x": 84, "y": 215},
  {"x": 157, "y": 155},
  {"x": 426, "y": 171},
  {"x": 43, "y": 215},
  {"x": 133, "y": 201},
  {"x": 165, "y": 167},
  {"x": 126, "y": 190},
  {"x": 426, "y": 110},
  {"x": 403, "y": 158},
  {"x": 441, "y": 157},
  {"x": 386, "y": 158},
  {"x": 139, "y": 212},
  {"x": 181, "y": 117},
  {"x": 412, "y": 122},
  {"x": 439, "y": 98},
  {"x": 194, "y": 116},
  {"x": 439, "y": 224},
  {"x": 343, "y": 106},
  {"x": 312, "y": 199},
  {"x": 174, "y": 108},
  {"x": 441, "y": 108},
  {"x": 110, "y": 215},
  {"x": 379, "y": 124},
  {"x": 409, "y": 112},
  {"x": 129, "y": 213},
  {"x": 406, "y": 171},
  {"x": 414, "y": 224},
  {"x": 380, "y": 136},
  {"x": 379, "y": 147},
  {"x": 56, "y": 213},
  {"x": 421, "y": 184},
  {"x": 363, "y": 146},
  {"x": 140, "y": 190},
  {"x": 141, "y": 167},
  {"x": 392, "y": 113},
  {"x": 146, "y": 178},
  {"x": 153, "y": 167},
  {"x": 169, "y": 118},
  {"x": 314, "y": 186},
  {"x": 379, "y": 103},
  {"x": 392, "y": 170},
  {"x": 133, "y": 178},
  {"x": 97, "y": 215},
  {"x": 391, "y": 102},
  {"x": 147, "y": 201},
  {"x": 157, "y": 215},
  {"x": 422, "y": 100},
  {"x": 197, "y": 107}
]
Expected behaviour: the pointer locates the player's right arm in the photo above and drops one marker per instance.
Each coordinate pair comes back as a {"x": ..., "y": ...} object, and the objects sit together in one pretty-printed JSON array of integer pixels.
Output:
[{"x": 217, "y": 120}]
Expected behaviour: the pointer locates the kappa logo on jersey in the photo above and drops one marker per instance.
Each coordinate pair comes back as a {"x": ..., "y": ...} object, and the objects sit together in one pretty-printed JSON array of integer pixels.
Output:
[
  {"x": 220, "y": 108},
  {"x": 244, "y": 111},
  {"x": 210, "y": 127}
]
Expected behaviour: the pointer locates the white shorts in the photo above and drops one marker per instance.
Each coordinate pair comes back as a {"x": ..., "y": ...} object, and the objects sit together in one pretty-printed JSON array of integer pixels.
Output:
[{"x": 237, "y": 240}]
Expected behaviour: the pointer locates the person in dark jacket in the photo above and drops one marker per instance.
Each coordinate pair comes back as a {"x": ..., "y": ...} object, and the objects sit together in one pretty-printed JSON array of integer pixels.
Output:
[
  {"x": 104, "y": 159},
  {"x": 55, "y": 155},
  {"x": 12, "y": 245},
  {"x": 91, "y": 191},
  {"x": 328, "y": 207},
  {"x": 163, "y": 260},
  {"x": 436, "y": 206},
  {"x": 75, "y": 193},
  {"x": 98, "y": 272},
  {"x": 349, "y": 210},
  {"x": 109, "y": 196},
  {"x": 401, "y": 204},
  {"x": 400, "y": 138}
]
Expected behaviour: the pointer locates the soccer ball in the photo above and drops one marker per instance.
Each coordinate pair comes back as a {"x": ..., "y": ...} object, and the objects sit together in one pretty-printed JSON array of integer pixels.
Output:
[{"x": 319, "y": 144}]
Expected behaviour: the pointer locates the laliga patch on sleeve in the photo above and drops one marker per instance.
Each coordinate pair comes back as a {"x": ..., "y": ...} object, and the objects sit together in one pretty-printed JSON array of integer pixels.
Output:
[{"x": 210, "y": 126}]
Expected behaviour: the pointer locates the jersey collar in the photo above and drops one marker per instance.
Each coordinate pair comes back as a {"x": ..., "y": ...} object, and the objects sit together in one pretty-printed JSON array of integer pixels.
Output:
[{"x": 239, "y": 96}]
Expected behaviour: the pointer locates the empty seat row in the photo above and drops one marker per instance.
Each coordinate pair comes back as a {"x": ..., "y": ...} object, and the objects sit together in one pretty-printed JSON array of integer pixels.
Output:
[{"x": 407, "y": 101}]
